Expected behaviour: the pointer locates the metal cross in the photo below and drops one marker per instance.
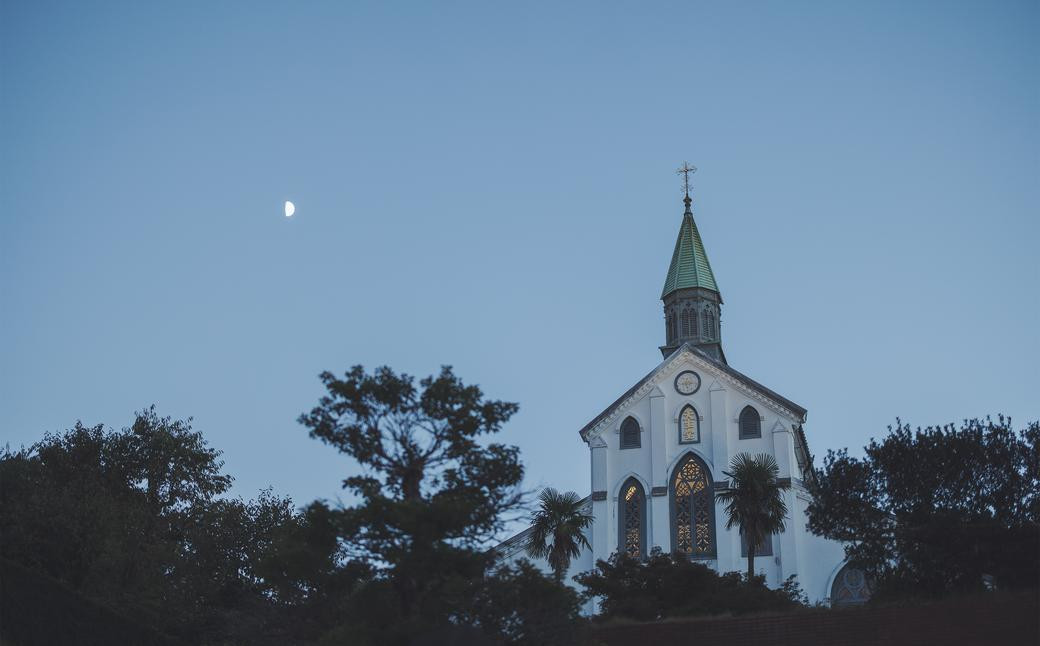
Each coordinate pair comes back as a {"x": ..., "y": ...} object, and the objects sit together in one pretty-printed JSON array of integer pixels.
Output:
[{"x": 685, "y": 171}]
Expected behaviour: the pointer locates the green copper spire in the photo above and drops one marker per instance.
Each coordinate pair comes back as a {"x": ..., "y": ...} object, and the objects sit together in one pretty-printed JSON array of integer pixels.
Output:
[{"x": 690, "y": 267}]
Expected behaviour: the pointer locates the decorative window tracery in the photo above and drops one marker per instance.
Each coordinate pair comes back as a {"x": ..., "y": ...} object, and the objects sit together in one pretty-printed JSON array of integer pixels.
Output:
[
  {"x": 689, "y": 426},
  {"x": 630, "y": 433},
  {"x": 693, "y": 509},
  {"x": 850, "y": 587},
  {"x": 750, "y": 423},
  {"x": 632, "y": 519}
]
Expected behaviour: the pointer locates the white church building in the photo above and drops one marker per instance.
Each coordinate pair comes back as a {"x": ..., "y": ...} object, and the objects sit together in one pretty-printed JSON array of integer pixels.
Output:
[{"x": 658, "y": 452}]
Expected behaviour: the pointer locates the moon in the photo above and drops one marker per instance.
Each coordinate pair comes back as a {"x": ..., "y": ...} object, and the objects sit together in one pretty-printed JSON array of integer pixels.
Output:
[{"x": 290, "y": 208}]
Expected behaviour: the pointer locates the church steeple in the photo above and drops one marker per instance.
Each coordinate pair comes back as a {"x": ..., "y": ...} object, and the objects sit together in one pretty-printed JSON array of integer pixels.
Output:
[{"x": 691, "y": 295}]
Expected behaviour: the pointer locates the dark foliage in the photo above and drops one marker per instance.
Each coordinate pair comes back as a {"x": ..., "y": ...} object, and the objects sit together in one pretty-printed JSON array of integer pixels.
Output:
[
  {"x": 133, "y": 520},
  {"x": 524, "y": 607},
  {"x": 559, "y": 526},
  {"x": 432, "y": 495},
  {"x": 931, "y": 511},
  {"x": 36, "y": 610},
  {"x": 667, "y": 585}
]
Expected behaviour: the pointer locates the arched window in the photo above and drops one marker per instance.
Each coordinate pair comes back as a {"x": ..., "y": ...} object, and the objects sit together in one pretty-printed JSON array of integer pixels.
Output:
[
  {"x": 685, "y": 323},
  {"x": 693, "y": 509},
  {"x": 632, "y": 519},
  {"x": 707, "y": 323},
  {"x": 630, "y": 433},
  {"x": 850, "y": 587},
  {"x": 750, "y": 423},
  {"x": 689, "y": 426}
]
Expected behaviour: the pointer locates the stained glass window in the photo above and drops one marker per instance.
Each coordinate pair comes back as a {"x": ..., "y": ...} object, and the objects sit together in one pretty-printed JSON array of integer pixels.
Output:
[
  {"x": 630, "y": 433},
  {"x": 632, "y": 517},
  {"x": 850, "y": 587},
  {"x": 693, "y": 509},
  {"x": 750, "y": 423},
  {"x": 689, "y": 430}
]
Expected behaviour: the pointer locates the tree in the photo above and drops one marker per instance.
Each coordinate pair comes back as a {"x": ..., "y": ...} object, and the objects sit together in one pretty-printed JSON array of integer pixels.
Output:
[
  {"x": 104, "y": 511},
  {"x": 931, "y": 511},
  {"x": 431, "y": 495},
  {"x": 755, "y": 501},
  {"x": 672, "y": 585},
  {"x": 135, "y": 521},
  {"x": 519, "y": 604},
  {"x": 562, "y": 518}
]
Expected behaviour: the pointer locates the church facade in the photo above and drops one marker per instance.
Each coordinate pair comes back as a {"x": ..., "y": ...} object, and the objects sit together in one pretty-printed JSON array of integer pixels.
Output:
[{"x": 658, "y": 452}]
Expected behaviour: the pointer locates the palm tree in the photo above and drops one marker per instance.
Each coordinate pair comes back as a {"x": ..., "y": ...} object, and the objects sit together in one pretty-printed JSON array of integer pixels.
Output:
[
  {"x": 560, "y": 517},
  {"x": 755, "y": 502}
]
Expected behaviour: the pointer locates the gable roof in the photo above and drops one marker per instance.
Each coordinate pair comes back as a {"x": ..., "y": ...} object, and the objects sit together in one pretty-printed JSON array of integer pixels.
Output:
[
  {"x": 798, "y": 411},
  {"x": 690, "y": 266}
]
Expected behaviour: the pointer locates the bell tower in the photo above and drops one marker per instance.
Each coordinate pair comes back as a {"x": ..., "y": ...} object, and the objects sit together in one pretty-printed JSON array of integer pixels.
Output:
[{"x": 691, "y": 297}]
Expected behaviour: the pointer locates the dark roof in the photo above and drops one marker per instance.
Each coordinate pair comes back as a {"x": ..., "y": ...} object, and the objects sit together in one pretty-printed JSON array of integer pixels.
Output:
[{"x": 739, "y": 376}]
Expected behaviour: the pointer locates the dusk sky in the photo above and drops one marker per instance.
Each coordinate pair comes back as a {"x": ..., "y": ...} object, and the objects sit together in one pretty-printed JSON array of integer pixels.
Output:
[{"x": 492, "y": 186}]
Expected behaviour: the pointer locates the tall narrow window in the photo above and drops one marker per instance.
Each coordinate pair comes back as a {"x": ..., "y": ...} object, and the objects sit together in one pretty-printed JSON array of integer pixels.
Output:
[
  {"x": 750, "y": 423},
  {"x": 707, "y": 324},
  {"x": 765, "y": 549},
  {"x": 693, "y": 509},
  {"x": 689, "y": 426},
  {"x": 632, "y": 519},
  {"x": 685, "y": 323},
  {"x": 710, "y": 325},
  {"x": 630, "y": 433},
  {"x": 693, "y": 323}
]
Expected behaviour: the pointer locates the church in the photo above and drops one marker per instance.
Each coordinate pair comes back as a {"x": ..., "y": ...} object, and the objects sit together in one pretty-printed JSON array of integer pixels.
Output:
[{"x": 658, "y": 452}]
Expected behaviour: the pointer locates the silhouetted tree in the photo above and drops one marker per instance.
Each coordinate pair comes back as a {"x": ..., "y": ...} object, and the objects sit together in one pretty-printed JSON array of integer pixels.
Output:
[
  {"x": 672, "y": 585},
  {"x": 135, "y": 519},
  {"x": 755, "y": 501},
  {"x": 431, "y": 495},
  {"x": 558, "y": 529},
  {"x": 931, "y": 511},
  {"x": 523, "y": 606}
]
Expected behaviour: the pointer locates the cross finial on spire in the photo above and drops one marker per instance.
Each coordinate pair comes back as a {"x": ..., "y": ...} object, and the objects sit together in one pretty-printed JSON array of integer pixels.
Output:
[{"x": 685, "y": 171}]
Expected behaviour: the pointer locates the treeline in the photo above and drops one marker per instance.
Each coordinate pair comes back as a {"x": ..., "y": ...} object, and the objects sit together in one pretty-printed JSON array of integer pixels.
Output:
[
  {"x": 934, "y": 511},
  {"x": 139, "y": 522}
]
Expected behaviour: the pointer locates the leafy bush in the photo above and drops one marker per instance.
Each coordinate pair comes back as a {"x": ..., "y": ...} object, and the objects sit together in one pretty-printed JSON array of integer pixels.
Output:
[
  {"x": 520, "y": 604},
  {"x": 667, "y": 585},
  {"x": 934, "y": 511}
]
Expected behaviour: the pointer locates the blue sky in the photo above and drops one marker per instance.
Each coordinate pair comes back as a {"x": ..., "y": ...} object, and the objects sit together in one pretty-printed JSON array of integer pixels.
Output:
[{"x": 492, "y": 186}]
